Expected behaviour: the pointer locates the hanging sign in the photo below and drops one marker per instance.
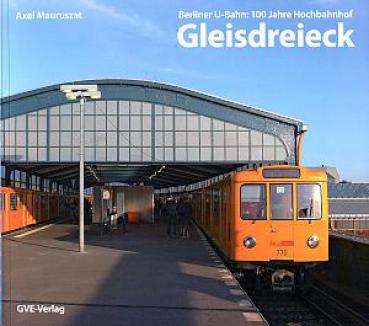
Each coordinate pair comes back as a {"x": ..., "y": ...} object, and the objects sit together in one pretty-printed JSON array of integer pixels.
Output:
[{"x": 106, "y": 194}]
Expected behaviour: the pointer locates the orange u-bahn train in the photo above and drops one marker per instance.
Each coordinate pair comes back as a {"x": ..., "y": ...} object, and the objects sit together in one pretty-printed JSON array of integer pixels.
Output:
[
  {"x": 272, "y": 218},
  {"x": 23, "y": 207}
]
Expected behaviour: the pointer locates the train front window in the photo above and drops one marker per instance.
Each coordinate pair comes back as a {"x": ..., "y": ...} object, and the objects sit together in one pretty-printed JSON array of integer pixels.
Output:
[
  {"x": 253, "y": 202},
  {"x": 281, "y": 202},
  {"x": 309, "y": 201}
]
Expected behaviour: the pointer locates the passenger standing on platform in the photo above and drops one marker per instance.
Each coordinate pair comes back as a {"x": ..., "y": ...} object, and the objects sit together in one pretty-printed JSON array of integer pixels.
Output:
[
  {"x": 107, "y": 220},
  {"x": 187, "y": 215},
  {"x": 171, "y": 209},
  {"x": 124, "y": 223},
  {"x": 122, "y": 220},
  {"x": 88, "y": 211},
  {"x": 157, "y": 208},
  {"x": 114, "y": 217},
  {"x": 163, "y": 210}
]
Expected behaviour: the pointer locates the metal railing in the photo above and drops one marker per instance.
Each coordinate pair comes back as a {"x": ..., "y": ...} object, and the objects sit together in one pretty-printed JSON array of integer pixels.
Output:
[{"x": 356, "y": 224}]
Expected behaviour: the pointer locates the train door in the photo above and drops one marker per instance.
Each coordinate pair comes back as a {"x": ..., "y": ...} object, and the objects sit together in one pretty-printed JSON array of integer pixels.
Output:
[
  {"x": 35, "y": 207},
  {"x": 211, "y": 213},
  {"x": 225, "y": 214},
  {"x": 199, "y": 207},
  {"x": 30, "y": 203},
  {"x": 281, "y": 215},
  {"x": 4, "y": 206},
  {"x": 52, "y": 206},
  {"x": 229, "y": 219},
  {"x": 42, "y": 208},
  {"x": 23, "y": 206},
  {"x": 207, "y": 210},
  {"x": 215, "y": 213},
  {"x": 45, "y": 208},
  {"x": 14, "y": 212},
  {"x": 253, "y": 228},
  {"x": 204, "y": 208}
]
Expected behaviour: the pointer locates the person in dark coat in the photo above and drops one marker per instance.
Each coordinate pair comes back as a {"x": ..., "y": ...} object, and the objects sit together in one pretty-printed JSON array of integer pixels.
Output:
[
  {"x": 171, "y": 210},
  {"x": 122, "y": 221},
  {"x": 157, "y": 208},
  {"x": 163, "y": 209}
]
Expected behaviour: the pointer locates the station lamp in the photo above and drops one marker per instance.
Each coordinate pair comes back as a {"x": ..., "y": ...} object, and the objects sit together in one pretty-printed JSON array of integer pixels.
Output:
[{"x": 82, "y": 93}]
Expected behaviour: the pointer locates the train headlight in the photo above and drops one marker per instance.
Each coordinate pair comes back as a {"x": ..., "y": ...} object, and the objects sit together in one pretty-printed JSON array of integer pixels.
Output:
[
  {"x": 313, "y": 241},
  {"x": 249, "y": 242}
]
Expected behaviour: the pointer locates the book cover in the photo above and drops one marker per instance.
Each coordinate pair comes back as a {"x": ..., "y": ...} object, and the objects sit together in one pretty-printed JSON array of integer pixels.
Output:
[{"x": 184, "y": 162}]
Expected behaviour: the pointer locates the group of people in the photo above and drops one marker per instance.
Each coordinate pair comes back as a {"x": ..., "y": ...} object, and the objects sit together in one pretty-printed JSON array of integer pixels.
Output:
[
  {"x": 178, "y": 212},
  {"x": 72, "y": 207}
]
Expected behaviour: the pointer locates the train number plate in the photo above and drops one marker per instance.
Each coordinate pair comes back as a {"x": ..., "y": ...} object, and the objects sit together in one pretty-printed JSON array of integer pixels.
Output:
[{"x": 282, "y": 252}]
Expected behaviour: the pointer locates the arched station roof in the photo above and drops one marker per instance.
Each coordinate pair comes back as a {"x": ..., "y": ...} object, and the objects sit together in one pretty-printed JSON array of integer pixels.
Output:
[{"x": 137, "y": 127}]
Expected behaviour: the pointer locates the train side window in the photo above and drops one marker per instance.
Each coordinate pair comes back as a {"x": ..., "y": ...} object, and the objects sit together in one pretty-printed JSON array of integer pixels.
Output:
[
  {"x": 13, "y": 202},
  {"x": 281, "y": 202},
  {"x": 2, "y": 202},
  {"x": 216, "y": 202},
  {"x": 309, "y": 201},
  {"x": 253, "y": 202}
]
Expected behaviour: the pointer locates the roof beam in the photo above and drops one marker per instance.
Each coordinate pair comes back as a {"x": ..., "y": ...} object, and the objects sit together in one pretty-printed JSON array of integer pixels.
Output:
[
  {"x": 51, "y": 171},
  {"x": 61, "y": 175}
]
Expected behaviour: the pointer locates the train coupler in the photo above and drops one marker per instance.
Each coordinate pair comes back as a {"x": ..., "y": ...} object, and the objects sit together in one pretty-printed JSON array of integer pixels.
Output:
[{"x": 283, "y": 281}]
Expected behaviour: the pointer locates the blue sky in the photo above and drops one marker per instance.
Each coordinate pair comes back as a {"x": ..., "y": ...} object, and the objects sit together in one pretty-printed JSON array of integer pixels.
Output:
[{"x": 326, "y": 87}]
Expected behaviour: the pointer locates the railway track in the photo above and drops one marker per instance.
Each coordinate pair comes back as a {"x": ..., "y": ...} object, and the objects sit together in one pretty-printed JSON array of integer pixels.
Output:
[
  {"x": 317, "y": 307},
  {"x": 335, "y": 308},
  {"x": 287, "y": 309}
]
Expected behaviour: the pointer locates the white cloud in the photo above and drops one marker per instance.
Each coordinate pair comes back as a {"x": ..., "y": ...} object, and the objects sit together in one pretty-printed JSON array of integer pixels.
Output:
[{"x": 133, "y": 20}]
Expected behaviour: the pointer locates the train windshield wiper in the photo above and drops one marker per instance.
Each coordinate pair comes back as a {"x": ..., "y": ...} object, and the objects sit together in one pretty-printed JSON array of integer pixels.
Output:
[{"x": 309, "y": 211}]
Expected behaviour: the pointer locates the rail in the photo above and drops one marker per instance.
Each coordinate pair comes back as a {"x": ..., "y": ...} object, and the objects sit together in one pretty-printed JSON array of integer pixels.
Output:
[{"x": 334, "y": 309}]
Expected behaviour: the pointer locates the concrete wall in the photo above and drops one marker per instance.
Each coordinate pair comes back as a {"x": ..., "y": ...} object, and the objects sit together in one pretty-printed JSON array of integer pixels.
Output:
[
  {"x": 349, "y": 263},
  {"x": 126, "y": 198}
]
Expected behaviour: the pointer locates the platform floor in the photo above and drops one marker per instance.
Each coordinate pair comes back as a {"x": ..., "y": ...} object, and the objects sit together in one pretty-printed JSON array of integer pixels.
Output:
[{"x": 139, "y": 278}]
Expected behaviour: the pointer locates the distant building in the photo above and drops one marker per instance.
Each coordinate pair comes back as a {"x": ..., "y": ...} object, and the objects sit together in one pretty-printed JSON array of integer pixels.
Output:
[
  {"x": 332, "y": 172},
  {"x": 348, "y": 199},
  {"x": 348, "y": 190}
]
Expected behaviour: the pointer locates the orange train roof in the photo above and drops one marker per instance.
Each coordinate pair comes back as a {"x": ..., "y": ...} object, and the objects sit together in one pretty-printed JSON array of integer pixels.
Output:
[{"x": 6, "y": 190}]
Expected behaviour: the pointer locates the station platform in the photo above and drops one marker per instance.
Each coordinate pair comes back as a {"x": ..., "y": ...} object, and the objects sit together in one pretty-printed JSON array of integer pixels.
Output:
[{"x": 142, "y": 277}]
